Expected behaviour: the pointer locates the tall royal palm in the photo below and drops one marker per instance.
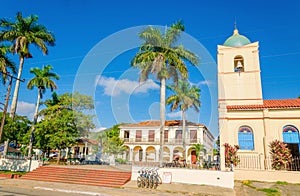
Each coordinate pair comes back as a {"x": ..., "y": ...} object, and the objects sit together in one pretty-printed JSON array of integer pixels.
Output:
[
  {"x": 42, "y": 80},
  {"x": 160, "y": 55},
  {"x": 185, "y": 96},
  {"x": 5, "y": 63},
  {"x": 22, "y": 33}
]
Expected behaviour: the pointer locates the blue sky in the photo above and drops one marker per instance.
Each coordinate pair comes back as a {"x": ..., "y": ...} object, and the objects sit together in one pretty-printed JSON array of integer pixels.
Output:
[{"x": 89, "y": 32}]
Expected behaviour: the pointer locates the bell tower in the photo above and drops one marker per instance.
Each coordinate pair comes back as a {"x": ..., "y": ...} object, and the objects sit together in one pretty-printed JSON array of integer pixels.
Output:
[{"x": 239, "y": 81}]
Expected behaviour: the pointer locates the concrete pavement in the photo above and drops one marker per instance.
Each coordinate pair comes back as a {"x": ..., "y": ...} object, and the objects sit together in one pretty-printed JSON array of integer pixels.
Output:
[{"x": 128, "y": 189}]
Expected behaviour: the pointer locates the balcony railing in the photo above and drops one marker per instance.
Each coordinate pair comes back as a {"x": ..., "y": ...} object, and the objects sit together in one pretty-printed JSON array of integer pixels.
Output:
[{"x": 156, "y": 141}]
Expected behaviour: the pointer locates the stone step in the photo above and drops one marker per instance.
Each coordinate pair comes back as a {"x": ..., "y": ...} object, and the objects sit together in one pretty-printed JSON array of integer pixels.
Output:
[
  {"x": 90, "y": 173},
  {"x": 79, "y": 171},
  {"x": 79, "y": 176}
]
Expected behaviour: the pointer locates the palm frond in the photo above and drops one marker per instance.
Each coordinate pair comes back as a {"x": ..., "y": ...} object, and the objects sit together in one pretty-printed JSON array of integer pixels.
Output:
[{"x": 187, "y": 55}]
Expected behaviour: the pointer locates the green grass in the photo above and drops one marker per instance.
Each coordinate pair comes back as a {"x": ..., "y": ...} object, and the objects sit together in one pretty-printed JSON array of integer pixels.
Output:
[
  {"x": 282, "y": 183},
  {"x": 12, "y": 172},
  {"x": 269, "y": 192},
  {"x": 248, "y": 183}
]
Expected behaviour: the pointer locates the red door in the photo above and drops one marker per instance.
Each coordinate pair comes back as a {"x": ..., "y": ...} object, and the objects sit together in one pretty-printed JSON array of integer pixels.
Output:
[{"x": 193, "y": 157}]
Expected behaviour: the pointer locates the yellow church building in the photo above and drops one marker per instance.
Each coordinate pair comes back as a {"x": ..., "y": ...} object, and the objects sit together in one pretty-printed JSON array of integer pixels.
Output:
[{"x": 245, "y": 118}]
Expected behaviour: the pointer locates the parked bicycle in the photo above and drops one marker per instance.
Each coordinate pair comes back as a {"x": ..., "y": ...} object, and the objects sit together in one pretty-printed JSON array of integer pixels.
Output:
[{"x": 148, "y": 178}]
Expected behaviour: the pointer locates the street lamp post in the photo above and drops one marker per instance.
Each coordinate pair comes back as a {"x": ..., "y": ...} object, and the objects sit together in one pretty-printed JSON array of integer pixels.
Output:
[{"x": 6, "y": 104}]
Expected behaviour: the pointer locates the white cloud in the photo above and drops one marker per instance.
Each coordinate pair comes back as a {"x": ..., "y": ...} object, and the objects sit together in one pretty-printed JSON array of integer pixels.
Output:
[
  {"x": 113, "y": 87},
  {"x": 25, "y": 109},
  {"x": 205, "y": 82},
  {"x": 175, "y": 114},
  {"x": 98, "y": 129}
]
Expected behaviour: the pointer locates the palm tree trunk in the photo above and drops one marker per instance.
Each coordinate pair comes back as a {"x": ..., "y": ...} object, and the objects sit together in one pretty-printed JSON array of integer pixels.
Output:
[
  {"x": 184, "y": 134},
  {"x": 34, "y": 122},
  {"x": 162, "y": 118},
  {"x": 16, "y": 91},
  {"x": 36, "y": 112},
  {"x": 58, "y": 157}
]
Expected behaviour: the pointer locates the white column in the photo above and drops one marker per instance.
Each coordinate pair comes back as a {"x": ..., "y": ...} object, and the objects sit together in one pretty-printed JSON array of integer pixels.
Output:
[
  {"x": 171, "y": 154},
  {"x": 144, "y": 155},
  {"x": 130, "y": 154},
  {"x": 157, "y": 155}
]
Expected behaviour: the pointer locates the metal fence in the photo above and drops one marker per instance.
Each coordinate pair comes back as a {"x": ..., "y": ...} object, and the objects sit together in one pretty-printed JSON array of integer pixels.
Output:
[{"x": 258, "y": 162}]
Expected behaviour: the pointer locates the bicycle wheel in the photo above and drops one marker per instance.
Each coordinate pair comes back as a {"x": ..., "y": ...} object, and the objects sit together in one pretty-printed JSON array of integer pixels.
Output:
[
  {"x": 151, "y": 183},
  {"x": 159, "y": 180},
  {"x": 147, "y": 182},
  {"x": 139, "y": 182},
  {"x": 155, "y": 183}
]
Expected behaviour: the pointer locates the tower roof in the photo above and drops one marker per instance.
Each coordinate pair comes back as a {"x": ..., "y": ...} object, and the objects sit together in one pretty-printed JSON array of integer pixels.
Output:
[{"x": 236, "y": 40}]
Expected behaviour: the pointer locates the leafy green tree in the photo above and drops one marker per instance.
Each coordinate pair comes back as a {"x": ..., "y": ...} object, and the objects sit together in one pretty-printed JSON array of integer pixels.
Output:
[
  {"x": 60, "y": 126},
  {"x": 160, "y": 55},
  {"x": 111, "y": 142},
  {"x": 80, "y": 104},
  {"x": 185, "y": 96},
  {"x": 22, "y": 33},
  {"x": 5, "y": 63},
  {"x": 15, "y": 129},
  {"x": 42, "y": 80}
]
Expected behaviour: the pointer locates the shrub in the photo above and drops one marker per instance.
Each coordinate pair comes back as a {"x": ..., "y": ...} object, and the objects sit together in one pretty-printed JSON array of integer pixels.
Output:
[
  {"x": 231, "y": 154},
  {"x": 120, "y": 160},
  {"x": 280, "y": 155}
]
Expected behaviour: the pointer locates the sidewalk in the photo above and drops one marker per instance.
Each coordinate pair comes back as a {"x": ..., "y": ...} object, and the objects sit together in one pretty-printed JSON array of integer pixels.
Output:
[
  {"x": 190, "y": 189},
  {"x": 129, "y": 189}
]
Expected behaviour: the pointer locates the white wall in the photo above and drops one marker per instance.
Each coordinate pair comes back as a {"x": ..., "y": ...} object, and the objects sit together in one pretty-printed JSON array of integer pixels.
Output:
[
  {"x": 18, "y": 165},
  {"x": 190, "y": 176}
]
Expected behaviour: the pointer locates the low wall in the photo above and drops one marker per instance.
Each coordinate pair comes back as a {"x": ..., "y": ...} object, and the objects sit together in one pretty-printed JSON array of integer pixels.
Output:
[
  {"x": 192, "y": 176},
  {"x": 18, "y": 165},
  {"x": 267, "y": 176}
]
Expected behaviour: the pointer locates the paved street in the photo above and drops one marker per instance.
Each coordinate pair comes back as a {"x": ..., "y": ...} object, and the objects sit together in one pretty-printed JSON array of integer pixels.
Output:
[{"x": 16, "y": 187}]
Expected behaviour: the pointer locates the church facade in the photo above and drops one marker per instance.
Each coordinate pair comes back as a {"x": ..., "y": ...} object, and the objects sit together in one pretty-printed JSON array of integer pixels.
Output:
[{"x": 245, "y": 118}]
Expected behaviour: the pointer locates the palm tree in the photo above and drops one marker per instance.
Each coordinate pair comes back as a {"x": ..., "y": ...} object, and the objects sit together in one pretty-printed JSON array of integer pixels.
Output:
[
  {"x": 5, "y": 63},
  {"x": 159, "y": 55},
  {"x": 22, "y": 33},
  {"x": 198, "y": 148},
  {"x": 42, "y": 81},
  {"x": 185, "y": 97}
]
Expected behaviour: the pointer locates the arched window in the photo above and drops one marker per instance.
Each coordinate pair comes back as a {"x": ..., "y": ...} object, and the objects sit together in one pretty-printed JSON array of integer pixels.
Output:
[
  {"x": 290, "y": 134},
  {"x": 245, "y": 137},
  {"x": 238, "y": 64}
]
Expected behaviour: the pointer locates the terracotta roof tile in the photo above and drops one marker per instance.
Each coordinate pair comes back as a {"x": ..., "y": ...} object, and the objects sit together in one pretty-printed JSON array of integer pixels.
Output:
[
  {"x": 156, "y": 123},
  {"x": 269, "y": 104},
  {"x": 83, "y": 140}
]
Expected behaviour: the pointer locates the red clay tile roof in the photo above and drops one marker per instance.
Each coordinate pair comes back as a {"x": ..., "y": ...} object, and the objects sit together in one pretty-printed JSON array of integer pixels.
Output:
[
  {"x": 83, "y": 140},
  {"x": 156, "y": 123},
  {"x": 269, "y": 104}
]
